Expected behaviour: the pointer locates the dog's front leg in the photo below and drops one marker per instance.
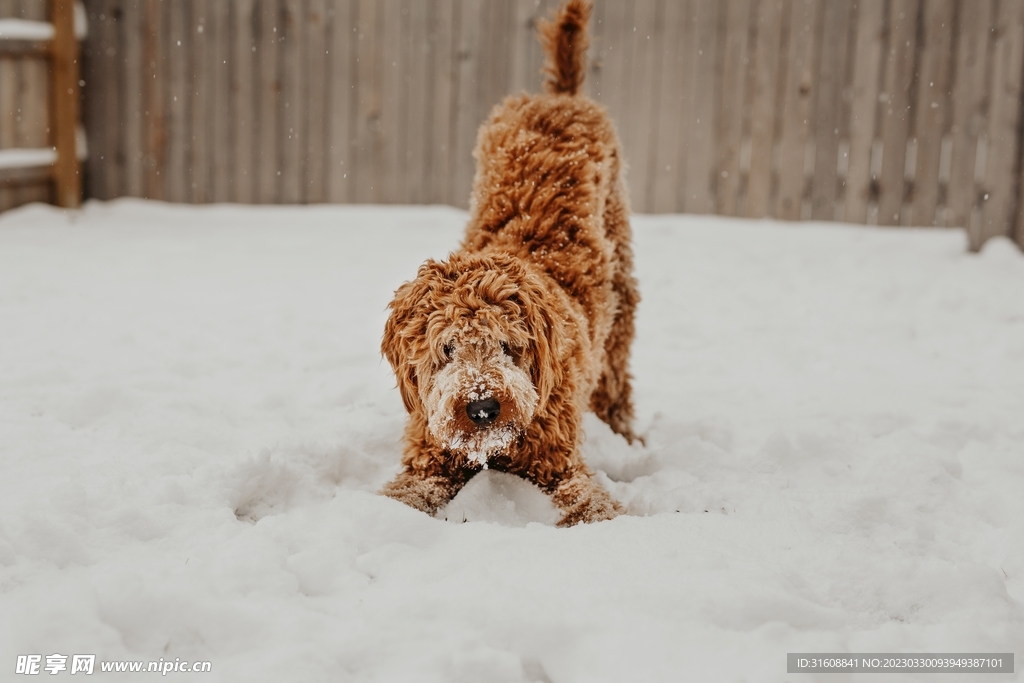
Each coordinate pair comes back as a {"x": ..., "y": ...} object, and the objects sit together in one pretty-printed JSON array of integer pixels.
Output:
[
  {"x": 422, "y": 491},
  {"x": 582, "y": 500}
]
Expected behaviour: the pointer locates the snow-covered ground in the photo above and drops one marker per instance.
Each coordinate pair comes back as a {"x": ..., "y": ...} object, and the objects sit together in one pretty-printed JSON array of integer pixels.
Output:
[{"x": 194, "y": 417}]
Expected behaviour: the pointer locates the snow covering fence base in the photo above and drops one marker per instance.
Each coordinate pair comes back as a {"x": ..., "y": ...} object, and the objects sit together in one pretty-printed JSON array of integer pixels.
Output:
[
  {"x": 895, "y": 112},
  {"x": 39, "y": 93}
]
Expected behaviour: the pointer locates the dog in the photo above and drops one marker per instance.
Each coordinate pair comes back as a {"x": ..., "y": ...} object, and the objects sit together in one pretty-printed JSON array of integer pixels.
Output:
[{"x": 500, "y": 349}]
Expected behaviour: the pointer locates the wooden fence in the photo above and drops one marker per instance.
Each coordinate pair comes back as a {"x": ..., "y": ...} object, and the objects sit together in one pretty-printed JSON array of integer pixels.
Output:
[
  {"x": 897, "y": 112},
  {"x": 39, "y": 102}
]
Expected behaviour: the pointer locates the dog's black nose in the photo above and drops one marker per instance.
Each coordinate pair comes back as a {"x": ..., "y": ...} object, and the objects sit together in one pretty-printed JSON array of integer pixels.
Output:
[{"x": 484, "y": 412}]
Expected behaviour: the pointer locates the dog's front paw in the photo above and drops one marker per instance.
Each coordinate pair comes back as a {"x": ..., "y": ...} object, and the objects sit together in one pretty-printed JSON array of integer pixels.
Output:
[
  {"x": 582, "y": 501},
  {"x": 428, "y": 494}
]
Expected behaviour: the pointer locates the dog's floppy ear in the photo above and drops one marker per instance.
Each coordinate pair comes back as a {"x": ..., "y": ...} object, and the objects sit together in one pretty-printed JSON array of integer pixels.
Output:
[
  {"x": 551, "y": 342},
  {"x": 405, "y": 333}
]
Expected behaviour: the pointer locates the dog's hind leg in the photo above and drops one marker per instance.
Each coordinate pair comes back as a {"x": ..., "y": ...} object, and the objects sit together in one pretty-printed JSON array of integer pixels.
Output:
[{"x": 612, "y": 400}]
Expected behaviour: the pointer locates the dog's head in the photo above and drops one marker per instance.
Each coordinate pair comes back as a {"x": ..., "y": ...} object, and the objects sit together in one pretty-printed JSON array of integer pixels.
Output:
[{"x": 477, "y": 347}]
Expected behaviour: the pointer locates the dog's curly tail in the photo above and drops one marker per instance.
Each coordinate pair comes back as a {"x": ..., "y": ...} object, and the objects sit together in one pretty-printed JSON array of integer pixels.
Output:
[{"x": 565, "y": 42}]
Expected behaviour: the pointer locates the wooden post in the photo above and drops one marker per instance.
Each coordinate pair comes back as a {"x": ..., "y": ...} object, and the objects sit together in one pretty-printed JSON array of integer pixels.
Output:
[{"x": 67, "y": 175}]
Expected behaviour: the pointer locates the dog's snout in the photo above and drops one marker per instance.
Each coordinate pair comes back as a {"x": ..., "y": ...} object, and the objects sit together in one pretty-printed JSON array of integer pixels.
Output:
[{"x": 484, "y": 412}]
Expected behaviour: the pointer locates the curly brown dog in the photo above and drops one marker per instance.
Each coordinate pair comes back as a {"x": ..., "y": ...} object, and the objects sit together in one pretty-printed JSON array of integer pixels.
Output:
[{"x": 500, "y": 349}]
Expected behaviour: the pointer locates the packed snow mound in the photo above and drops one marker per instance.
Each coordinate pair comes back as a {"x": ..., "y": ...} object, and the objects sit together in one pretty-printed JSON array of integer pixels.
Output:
[{"x": 195, "y": 419}]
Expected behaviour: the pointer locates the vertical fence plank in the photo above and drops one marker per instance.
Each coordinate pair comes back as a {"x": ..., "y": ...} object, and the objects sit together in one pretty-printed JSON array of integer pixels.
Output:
[
  {"x": 341, "y": 68},
  {"x": 867, "y": 63},
  {"x": 67, "y": 176},
  {"x": 668, "y": 126},
  {"x": 494, "y": 76},
  {"x": 243, "y": 111},
  {"x": 131, "y": 69},
  {"x": 442, "y": 131},
  {"x": 292, "y": 35},
  {"x": 155, "y": 159},
  {"x": 828, "y": 108},
  {"x": 8, "y": 105},
  {"x": 524, "y": 16},
  {"x": 968, "y": 107},
  {"x": 419, "y": 97},
  {"x": 199, "y": 86},
  {"x": 643, "y": 72},
  {"x": 732, "y": 104},
  {"x": 394, "y": 47},
  {"x": 932, "y": 115},
  {"x": 465, "y": 112},
  {"x": 896, "y": 110},
  {"x": 267, "y": 102},
  {"x": 1000, "y": 184},
  {"x": 101, "y": 101},
  {"x": 218, "y": 160},
  {"x": 369, "y": 96},
  {"x": 179, "y": 89},
  {"x": 616, "y": 41},
  {"x": 314, "y": 143},
  {"x": 796, "y": 107},
  {"x": 700, "y": 152},
  {"x": 37, "y": 99},
  {"x": 765, "y": 63}
]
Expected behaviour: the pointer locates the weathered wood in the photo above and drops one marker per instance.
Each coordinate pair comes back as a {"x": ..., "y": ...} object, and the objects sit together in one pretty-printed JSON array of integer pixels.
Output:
[
  {"x": 613, "y": 82},
  {"x": 896, "y": 109},
  {"x": 763, "y": 98},
  {"x": 179, "y": 90},
  {"x": 99, "y": 184},
  {"x": 16, "y": 47},
  {"x": 243, "y": 111},
  {"x": 419, "y": 98},
  {"x": 8, "y": 104},
  {"x": 131, "y": 71},
  {"x": 1000, "y": 186},
  {"x": 367, "y": 140},
  {"x": 732, "y": 105},
  {"x": 699, "y": 151},
  {"x": 12, "y": 178},
  {"x": 392, "y": 173},
  {"x": 469, "y": 41},
  {"x": 154, "y": 73},
  {"x": 268, "y": 141},
  {"x": 292, "y": 33},
  {"x": 67, "y": 175},
  {"x": 443, "y": 61},
  {"x": 360, "y": 100},
  {"x": 36, "y": 104},
  {"x": 668, "y": 127},
  {"x": 198, "y": 82},
  {"x": 933, "y": 107},
  {"x": 341, "y": 83},
  {"x": 828, "y": 108},
  {"x": 867, "y": 61},
  {"x": 219, "y": 55},
  {"x": 796, "y": 108},
  {"x": 973, "y": 26},
  {"x": 644, "y": 73}
]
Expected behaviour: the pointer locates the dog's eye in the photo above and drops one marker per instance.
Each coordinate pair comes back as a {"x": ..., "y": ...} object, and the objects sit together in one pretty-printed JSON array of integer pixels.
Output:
[
  {"x": 448, "y": 349},
  {"x": 510, "y": 352}
]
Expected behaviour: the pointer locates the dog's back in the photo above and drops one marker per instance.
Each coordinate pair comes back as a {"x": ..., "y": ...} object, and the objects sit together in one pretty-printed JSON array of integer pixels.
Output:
[
  {"x": 549, "y": 190},
  {"x": 548, "y": 185}
]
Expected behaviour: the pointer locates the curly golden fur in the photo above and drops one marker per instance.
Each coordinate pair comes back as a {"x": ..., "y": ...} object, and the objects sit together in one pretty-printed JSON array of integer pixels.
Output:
[{"x": 500, "y": 349}]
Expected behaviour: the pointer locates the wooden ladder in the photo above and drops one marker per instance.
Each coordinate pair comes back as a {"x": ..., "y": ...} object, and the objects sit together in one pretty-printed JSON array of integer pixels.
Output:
[{"x": 57, "y": 42}]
